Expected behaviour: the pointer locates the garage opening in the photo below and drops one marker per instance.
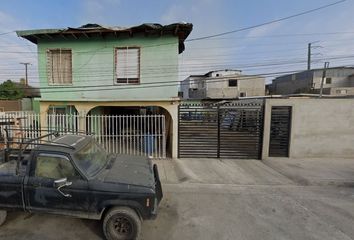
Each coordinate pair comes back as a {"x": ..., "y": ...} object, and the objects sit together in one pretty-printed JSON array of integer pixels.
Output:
[{"x": 132, "y": 130}]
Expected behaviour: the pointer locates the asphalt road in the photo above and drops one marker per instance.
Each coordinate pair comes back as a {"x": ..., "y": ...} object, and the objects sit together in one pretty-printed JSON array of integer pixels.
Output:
[{"x": 217, "y": 211}]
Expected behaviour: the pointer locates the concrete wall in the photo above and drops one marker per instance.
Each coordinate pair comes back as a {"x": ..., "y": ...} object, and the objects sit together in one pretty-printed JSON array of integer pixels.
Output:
[
  {"x": 304, "y": 82},
  {"x": 93, "y": 64},
  {"x": 184, "y": 88},
  {"x": 337, "y": 91},
  {"x": 338, "y": 76},
  {"x": 203, "y": 87},
  {"x": 10, "y": 105},
  {"x": 219, "y": 88},
  {"x": 26, "y": 104},
  {"x": 342, "y": 91},
  {"x": 320, "y": 128},
  {"x": 191, "y": 87},
  {"x": 294, "y": 83}
]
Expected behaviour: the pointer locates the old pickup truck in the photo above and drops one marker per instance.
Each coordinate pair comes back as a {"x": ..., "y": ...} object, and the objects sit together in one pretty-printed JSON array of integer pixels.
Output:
[{"x": 73, "y": 175}]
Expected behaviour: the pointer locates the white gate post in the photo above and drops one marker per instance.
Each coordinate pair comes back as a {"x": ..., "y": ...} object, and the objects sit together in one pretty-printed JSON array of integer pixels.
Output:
[{"x": 82, "y": 121}]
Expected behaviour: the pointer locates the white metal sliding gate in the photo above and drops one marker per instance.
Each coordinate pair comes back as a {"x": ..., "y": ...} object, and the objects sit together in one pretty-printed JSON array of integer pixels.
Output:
[
  {"x": 132, "y": 134},
  {"x": 124, "y": 134}
]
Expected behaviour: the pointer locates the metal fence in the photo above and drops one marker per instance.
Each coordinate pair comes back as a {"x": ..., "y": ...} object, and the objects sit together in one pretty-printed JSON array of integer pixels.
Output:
[
  {"x": 229, "y": 130},
  {"x": 123, "y": 134},
  {"x": 130, "y": 134}
]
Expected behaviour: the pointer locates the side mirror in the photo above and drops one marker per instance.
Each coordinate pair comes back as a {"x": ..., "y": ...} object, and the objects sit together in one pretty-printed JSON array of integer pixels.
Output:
[{"x": 60, "y": 183}]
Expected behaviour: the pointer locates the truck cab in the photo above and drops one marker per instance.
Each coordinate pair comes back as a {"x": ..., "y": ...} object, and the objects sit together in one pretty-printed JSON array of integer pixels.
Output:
[{"x": 73, "y": 175}]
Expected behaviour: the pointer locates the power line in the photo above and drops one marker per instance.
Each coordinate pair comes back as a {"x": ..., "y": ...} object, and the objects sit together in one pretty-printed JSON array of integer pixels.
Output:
[
  {"x": 144, "y": 85},
  {"x": 155, "y": 70},
  {"x": 267, "y": 23},
  {"x": 141, "y": 86},
  {"x": 153, "y": 85},
  {"x": 5, "y": 33}
]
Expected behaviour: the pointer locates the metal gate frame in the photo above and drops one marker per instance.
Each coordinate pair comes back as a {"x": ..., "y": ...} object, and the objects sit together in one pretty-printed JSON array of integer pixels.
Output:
[
  {"x": 124, "y": 134},
  {"x": 280, "y": 130},
  {"x": 228, "y": 130}
]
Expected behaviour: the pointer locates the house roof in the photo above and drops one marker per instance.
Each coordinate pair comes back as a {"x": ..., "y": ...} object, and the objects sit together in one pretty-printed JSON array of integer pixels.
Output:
[
  {"x": 222, "y": 70},
  {"x": 182, "y": 30},
  {"x": 312, "y": 70},
  {"x": 29, "y": 91}
]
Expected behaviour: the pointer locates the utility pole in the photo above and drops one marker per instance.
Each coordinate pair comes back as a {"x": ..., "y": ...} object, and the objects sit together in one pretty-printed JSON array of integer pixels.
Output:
[
  {"x": 309, "y": 53},
  {"x": 26, "y": 72},
  {"x": 309, "y": 56},
  {"x": 326, "y": 64}
]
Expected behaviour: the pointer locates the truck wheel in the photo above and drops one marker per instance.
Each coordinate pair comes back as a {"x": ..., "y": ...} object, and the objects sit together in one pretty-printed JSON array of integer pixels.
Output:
[
  {"x": 121, "y": 223},
  {"x": 3, "y": 215}
]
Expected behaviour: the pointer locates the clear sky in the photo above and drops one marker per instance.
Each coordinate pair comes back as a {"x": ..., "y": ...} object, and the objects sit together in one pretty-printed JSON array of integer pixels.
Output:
[{"x": 272, "y": 48}]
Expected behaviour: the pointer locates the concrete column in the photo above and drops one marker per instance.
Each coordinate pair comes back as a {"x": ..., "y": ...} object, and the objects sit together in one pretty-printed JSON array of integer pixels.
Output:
[
  {"x": 173, "y": 110},
  {"x": 266, "y": 129},
  {"x": 43, "y": 110}
]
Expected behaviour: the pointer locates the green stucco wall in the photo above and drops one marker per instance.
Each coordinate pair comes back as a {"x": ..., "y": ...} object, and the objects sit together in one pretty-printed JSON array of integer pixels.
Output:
[{"x": 93, "y": 64}]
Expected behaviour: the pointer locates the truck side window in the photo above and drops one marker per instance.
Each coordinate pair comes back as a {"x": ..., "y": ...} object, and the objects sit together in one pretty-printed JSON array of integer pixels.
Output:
[{"x": 54, "y": 166}]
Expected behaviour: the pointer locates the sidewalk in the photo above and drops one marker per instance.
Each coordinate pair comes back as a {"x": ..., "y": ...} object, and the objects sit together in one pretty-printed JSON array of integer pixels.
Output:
[
  {"x": 219, "y": 171},
  {"x": 317, "y": 171}
]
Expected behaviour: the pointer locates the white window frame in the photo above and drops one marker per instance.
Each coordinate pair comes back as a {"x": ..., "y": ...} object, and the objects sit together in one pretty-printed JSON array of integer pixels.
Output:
[{"x": 135, "y": 81}]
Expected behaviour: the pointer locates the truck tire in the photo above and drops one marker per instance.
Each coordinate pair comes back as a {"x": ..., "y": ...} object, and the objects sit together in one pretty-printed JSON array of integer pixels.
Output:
[
  {"x": 3, "y": 215},
  {"x": 121, "y": 223}
]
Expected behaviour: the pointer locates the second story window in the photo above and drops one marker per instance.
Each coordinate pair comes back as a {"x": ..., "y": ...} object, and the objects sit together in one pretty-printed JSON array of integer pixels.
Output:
[
  {"x": 59, "y": 66},
  {"x": 232, "y": 82},
  {"x": 127, "y": 69}
]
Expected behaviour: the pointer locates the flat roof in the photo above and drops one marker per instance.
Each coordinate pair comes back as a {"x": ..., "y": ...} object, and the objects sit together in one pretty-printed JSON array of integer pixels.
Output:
[{"x": 88, "y": 31}]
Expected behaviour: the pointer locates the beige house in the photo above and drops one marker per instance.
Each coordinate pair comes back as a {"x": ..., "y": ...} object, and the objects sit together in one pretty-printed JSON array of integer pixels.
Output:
[{"x": 222, "y": 84}]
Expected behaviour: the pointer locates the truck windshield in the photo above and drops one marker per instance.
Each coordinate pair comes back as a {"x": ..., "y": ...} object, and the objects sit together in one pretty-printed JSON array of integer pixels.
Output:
[{"x": 91, "y": 158}]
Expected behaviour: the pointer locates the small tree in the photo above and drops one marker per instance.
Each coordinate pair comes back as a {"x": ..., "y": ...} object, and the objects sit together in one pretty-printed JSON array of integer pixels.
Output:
[{"x": 10, "y": 91}]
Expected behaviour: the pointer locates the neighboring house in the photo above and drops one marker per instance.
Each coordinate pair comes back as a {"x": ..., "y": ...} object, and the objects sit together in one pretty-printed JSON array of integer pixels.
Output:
[
  {"x": 29, "y": 102},
  {"x": 110, "y": 70},
  {"x": 222, "y": 84},
  {"x": 338, "y": 81}
]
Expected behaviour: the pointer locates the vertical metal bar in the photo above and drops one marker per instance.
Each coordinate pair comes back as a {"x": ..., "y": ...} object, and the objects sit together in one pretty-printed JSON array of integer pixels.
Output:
[
  {"x": 141, "y": 135},
  {"x": 218, "y": 121},
  {"x": 130, "y": 130},
  {"x": 101, "y": 130},
  {"x": 261, "y": 127},
  {"x": 164, "y": 136},
  {"x": 120, "y": 133},
  {"x": 124, "y": 136},
  {"x": 154, "y": 136},
  {"x": 104, "y": 133},
  {"x": 159, "y": 136},
  {"x": 133, "y": 134},
  {"x": 143, "y": 130},
  {"x": 109, "y": 131},
  {"x": 149, "y": 135},
  {"x": 116, "y": 150},
  {"x": 178, "y": 132},
  {"x": 112, "y": 133}
]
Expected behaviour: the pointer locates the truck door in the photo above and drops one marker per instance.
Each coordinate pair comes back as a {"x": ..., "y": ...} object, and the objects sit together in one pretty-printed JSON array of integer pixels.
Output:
[{"x": 42, "y": 194}]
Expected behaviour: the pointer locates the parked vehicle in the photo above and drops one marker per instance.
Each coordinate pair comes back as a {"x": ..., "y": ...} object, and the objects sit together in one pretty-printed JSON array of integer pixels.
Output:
[{"x": 72, "y": 175}]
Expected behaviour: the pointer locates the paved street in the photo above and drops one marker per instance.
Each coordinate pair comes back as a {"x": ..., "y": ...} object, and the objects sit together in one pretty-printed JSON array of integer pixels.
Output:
[{"x": 198, "y": 205}]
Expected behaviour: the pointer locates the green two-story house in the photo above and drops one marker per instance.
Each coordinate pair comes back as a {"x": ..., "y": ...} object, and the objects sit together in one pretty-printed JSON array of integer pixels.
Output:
[{"x": 110, "y": 70}]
